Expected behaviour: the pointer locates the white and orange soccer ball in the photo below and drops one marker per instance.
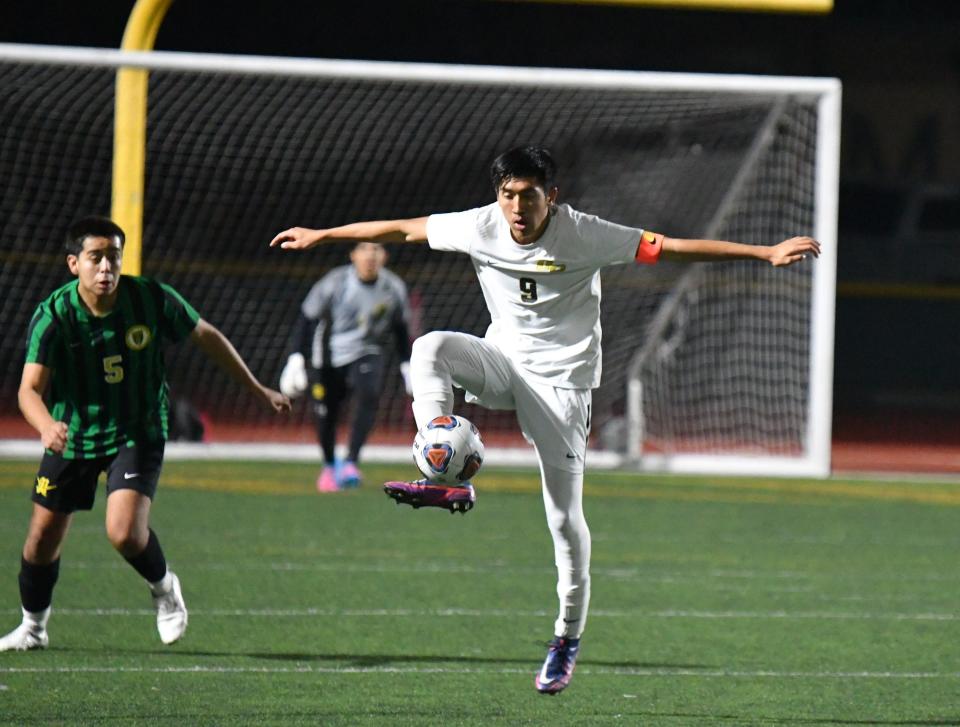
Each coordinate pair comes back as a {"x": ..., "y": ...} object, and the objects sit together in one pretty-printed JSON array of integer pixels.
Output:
[{"x": 448, "y": 450}]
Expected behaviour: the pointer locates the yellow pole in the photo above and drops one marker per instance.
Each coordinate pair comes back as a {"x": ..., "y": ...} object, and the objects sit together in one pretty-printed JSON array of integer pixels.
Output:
[{"x": 130, "y": 130}]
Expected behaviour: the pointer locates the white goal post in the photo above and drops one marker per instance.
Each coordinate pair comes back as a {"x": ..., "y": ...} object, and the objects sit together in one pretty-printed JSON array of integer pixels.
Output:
[
  {"x": 722, "y": 368},
  {"x": 811, "y": 455}
]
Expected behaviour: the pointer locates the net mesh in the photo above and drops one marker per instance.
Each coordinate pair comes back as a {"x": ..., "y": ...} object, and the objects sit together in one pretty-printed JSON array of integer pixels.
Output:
[{"x": 232, "y": 159}]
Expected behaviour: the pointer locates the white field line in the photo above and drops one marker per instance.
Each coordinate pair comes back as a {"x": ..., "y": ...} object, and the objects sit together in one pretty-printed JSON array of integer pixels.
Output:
[
  {"x": 516, "y": 613},
  {"x": 637, "y": 540},
  {"x": 501, "y": 568},
  {"x": 617, "y": 671}
]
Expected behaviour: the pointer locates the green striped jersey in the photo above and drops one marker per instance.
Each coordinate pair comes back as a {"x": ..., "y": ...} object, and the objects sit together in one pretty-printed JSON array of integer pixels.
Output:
[{"x": 107, "y": 380}]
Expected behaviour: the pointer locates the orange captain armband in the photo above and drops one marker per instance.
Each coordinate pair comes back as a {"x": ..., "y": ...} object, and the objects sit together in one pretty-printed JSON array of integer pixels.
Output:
[{"x": 648, "y": 251}]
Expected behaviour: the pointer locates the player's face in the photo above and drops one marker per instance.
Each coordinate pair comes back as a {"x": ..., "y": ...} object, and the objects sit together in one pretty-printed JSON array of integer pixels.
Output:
[
  {"x": 368, "y": 258},
  {"x": 526, "y": 206},
  {"x": 98, "y": 265}
]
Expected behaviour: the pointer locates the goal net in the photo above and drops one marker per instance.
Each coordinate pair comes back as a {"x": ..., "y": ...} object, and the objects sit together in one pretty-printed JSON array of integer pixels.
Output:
[{"x": 724, "y": 367}]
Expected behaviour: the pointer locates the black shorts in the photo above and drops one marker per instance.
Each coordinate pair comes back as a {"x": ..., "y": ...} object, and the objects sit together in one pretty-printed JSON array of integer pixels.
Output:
[
  {"x": 363, "y": 377},
  {"x": 67, "y": 485}
]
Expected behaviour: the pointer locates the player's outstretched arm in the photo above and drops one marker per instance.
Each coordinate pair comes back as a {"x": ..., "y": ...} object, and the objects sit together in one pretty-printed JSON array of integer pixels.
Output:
[
  {"x": 219, "y": 349},
  {"x": 301, "y": 238},
  {"x": 785, "y": 253},
  {"x": 33, "y": 382}
]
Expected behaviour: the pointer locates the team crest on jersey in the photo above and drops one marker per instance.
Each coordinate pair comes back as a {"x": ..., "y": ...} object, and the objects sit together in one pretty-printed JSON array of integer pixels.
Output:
[
  {"x": 138, "y": 337},
  {"x": 550, "y": 266}
]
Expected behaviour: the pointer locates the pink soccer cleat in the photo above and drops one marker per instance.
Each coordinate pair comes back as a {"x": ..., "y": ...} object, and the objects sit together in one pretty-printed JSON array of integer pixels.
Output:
[
  {"x": 421, "y": 493},
  {"x": 327, "y": 481}
]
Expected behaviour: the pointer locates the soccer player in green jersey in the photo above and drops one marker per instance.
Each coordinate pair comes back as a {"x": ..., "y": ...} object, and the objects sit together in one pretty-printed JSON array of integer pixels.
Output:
[{"x": 96, "y": 343}]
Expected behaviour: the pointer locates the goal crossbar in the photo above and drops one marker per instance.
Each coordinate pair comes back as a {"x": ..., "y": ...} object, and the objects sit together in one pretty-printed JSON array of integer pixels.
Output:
[{"x": 392, "y": 70}]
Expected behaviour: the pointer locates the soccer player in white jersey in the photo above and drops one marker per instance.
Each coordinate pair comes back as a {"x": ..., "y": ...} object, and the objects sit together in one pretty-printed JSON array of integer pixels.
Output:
[
  {"x": 345, "y": 322},
  {"x": 539, "y": 264}
]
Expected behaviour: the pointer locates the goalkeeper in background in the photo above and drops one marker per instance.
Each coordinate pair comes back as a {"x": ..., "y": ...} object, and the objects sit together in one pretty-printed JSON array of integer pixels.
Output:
[
  {"x": 538, "y": 263},
  {"x": 97, "y": 344},
  {"x": 346, "y": 320}
]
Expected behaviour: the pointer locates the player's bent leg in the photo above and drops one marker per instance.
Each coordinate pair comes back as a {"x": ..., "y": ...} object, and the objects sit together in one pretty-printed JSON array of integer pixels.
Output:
[
  {"x": 128, "y": 513},
  {"x": 441, "y": 359}
]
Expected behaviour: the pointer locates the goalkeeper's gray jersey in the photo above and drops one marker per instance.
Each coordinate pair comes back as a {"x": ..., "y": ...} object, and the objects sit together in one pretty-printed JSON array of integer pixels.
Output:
[{"x": 361, "y": 317}]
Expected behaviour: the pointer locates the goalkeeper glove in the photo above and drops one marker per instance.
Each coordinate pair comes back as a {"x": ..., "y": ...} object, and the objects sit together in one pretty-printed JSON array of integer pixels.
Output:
[{"x": 293, "y": 378}]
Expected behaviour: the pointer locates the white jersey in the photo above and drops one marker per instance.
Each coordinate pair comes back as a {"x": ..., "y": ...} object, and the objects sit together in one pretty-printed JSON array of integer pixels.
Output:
[{"x": 544, "y": 297}]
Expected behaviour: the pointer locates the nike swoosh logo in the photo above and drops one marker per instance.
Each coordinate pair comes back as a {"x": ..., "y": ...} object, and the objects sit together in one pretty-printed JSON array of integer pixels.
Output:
[
  {"x": 544, "y": 679},
  {"x": 130, "y": 476}
]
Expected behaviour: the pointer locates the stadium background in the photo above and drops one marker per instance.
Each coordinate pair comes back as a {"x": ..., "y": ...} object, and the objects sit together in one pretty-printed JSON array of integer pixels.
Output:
[{"x": 898, "y": 293}]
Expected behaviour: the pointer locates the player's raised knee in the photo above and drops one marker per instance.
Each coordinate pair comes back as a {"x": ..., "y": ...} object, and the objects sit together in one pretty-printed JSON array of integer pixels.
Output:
[{"x": 428, "y": 348}]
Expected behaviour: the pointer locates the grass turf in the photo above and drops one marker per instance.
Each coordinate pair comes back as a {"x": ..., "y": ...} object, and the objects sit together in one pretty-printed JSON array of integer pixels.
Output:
[{"x": 715, "y": 601}]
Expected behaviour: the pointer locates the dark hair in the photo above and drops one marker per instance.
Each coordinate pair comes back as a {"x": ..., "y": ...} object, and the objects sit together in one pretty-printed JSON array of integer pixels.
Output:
[
  {"x": 90, "y": 227},
  {"x": 524, "y": 162}
]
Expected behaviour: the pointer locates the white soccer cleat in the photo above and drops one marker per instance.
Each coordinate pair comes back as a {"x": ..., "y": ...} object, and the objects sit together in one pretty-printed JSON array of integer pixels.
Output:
[
  {"x": 25, "y": 637},
  {"x": 171, "y": 612}
]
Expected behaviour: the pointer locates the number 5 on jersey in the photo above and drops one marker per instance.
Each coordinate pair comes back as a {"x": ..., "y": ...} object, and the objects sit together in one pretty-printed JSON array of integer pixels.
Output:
[{"x": 112, "y": 370}]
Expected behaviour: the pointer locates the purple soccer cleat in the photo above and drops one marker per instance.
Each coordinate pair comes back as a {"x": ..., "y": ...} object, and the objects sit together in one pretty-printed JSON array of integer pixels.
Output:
[
  {"x": 422, "y": 493},
  {"x": 557, "y": 668}
]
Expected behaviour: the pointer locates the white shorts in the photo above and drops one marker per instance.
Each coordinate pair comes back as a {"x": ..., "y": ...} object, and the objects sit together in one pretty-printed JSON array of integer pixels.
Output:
[{"x": 554, "y": 420}]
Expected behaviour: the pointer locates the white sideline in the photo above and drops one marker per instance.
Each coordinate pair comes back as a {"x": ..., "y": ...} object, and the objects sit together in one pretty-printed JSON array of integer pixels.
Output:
[
  {"x": 669, "y": 613},
  {"x": 281, "y": 452}
]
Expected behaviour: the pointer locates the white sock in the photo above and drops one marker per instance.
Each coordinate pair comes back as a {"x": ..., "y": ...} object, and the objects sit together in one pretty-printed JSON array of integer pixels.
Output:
[
  {"x": 162, "y": 586},
  {"x": 426, "y": 410},
  {"x": 36, "y": 620},
  {"x": 563, "y": 501}
]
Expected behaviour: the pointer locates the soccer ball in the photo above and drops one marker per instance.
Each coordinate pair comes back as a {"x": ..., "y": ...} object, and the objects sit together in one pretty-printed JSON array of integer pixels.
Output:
[{"x": 448, "y": 450}]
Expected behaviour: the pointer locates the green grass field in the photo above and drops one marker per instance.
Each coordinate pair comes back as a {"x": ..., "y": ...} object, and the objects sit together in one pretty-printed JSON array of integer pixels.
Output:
[{"x": 715, "y": 601}]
